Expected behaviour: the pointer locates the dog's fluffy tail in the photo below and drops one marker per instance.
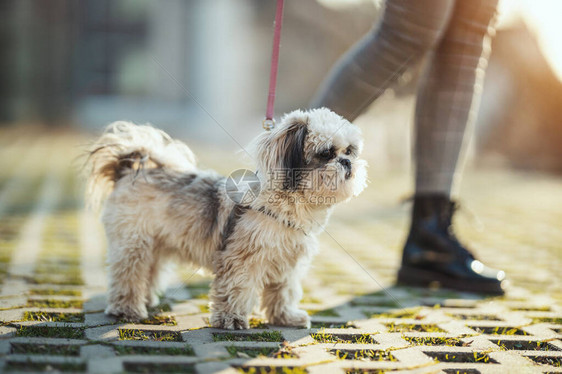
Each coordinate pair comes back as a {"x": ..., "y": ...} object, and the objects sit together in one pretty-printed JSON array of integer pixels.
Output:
[{"x": 126, "y": 148}]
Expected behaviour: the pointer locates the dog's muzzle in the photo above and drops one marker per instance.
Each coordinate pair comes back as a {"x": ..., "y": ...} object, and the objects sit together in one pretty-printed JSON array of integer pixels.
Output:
[{"x": 347, "y": 165}]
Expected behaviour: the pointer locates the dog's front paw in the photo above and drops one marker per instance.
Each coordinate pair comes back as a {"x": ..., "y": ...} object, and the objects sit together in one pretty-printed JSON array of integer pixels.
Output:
[
  {"x": 129, "y": 314},
  {"x": 229, "y": 321},
  {"x": 293, "y": 317}
]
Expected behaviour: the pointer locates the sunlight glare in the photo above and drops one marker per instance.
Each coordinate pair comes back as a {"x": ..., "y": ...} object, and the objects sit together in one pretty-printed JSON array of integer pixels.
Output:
[{"x": 543, "y": 18}]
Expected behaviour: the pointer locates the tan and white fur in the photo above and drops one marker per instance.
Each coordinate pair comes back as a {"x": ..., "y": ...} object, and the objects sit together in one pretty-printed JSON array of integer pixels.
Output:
[{"x": 159, "y": 207}]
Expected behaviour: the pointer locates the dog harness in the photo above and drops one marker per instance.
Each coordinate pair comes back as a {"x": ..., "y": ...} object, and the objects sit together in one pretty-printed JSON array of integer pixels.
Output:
[{"x": 239, "y": 210}]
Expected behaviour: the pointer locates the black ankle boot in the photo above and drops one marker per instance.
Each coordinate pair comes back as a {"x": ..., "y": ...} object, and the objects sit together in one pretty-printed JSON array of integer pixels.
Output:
[{"x": 433, "y": 255}]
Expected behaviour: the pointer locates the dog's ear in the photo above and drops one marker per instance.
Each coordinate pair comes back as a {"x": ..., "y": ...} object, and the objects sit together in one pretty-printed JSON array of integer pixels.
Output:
[
  {"x": 292, "y": 156},
  {"x": 281, "y": 151},
  {"x": 293, "y": 145}
]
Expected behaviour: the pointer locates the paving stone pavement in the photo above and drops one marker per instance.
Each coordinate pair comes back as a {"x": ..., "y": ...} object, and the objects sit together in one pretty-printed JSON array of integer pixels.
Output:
[{"x": 53, "y": 285}]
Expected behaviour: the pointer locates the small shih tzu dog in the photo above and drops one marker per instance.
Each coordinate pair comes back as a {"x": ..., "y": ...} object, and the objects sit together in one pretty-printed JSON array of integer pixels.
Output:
[{"x": 160, "y": 208}]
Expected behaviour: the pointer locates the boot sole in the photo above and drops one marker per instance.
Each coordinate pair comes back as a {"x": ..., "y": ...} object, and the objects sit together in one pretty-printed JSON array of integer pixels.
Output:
[{"x": 422, "y": 278}]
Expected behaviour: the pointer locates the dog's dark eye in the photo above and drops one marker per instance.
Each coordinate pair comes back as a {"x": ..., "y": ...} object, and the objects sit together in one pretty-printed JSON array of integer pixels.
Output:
[
  {"x": 327, "y": 154},
  {"x": 350, "y": 150}
]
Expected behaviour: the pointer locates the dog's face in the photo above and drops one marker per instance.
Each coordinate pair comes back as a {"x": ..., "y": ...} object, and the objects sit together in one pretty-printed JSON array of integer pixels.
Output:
[{"x": 312, "y": 156}]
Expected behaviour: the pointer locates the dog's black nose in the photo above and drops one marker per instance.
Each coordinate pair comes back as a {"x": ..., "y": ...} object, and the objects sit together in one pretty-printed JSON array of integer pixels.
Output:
[{"x": 346, "y": 163}]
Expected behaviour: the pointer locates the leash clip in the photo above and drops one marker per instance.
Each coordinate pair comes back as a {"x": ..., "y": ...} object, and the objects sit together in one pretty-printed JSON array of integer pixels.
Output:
[{"x": 268, "y": 124}]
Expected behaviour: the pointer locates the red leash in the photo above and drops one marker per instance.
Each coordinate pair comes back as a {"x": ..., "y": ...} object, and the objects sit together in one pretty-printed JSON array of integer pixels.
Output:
[{"x": 269, "y": 122}]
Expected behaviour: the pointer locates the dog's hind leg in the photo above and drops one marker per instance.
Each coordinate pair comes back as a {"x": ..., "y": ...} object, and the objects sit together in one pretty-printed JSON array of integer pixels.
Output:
[{"x": 129, "y": 267}]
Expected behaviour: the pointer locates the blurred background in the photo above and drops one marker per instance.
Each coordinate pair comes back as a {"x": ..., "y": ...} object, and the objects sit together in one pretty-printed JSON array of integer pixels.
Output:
[{"x": 186, "y": 65}]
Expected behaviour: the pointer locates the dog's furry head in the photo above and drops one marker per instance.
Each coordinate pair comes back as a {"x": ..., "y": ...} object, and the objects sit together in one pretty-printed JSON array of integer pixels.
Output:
[{"x": 312, "y": 155}]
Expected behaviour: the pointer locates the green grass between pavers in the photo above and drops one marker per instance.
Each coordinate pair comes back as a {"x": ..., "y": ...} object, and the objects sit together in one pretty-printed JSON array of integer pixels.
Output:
[
  {"x": 204, "y": 308},
  {"x": 257, "y": 323},
  {"x": 14, "y": 306},
  {"x": 323, "y": 337},
  {"x": 310, "y": 300},
  {"x": 547, "y": 360},
  {"x": 59, "y": 248},
  {"x": 199, "y": 289},
  {"x": 160, "y": 320},
  {"x": 10, "y": 227},
  {"x": 161, "y": 308},
  {"x": 271, "y": 370},
  {"x": 333, "y": 325},
  {"x": 58, "y": 265},
  {"x": 201, "y": 284},
  {"x": 468, "y": 357},
  {"x": 476, "y": 317},
  {"x": 64, "y": 262},
  {"x": 369, "y": 371},
  {"x": 450, "y": 342},
  {"x": 4, "y": 265},
  {"x": 365, "y": 354},
  {"x": 540, "y": 308},
  {"x": 518, "y": 345},
  {"x": 324, "y": 313},
  {"x": 121, "y": 350},
  {"x": 203, "y": 295},
  {"x": 158, "y": 367},
  {"x": 555, "y": 320},
  {"x": 402, "y": 327},
  {"x": 59, "y": 260},
  {"x": 244, "y": 352},
  {"x": 5, "y": 255},
  {"x": 45, "y": 349},
  {"x": 72, "y": 278},
  {"x": 250, "y": 352},
  {"x": 51, "y": 292},
  {"x": 498, "y": 330},
  {"x": 45, "y": 366},
  {"x": 377, "y": 303},
  {"x": 66, "y": 332},
  {"x": 401, "y": 313},
  {"x": 199, "y": 292},
  {"x": 265, "y": 336},
  {"x": 53, "y": 317},
  {"x": 53, "y": 303},
  {"x": 161, "y": 336}
]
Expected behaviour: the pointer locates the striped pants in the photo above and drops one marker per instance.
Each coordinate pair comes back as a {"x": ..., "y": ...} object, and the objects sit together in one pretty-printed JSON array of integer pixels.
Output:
[{"x": 454, "y": 35}]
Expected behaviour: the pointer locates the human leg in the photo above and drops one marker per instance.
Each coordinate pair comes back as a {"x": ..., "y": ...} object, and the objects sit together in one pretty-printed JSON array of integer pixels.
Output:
[
  {"x": 449, "y": 94},
  {"x": 447, "y": 102},
  {"x": 408, "y": 30}
]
